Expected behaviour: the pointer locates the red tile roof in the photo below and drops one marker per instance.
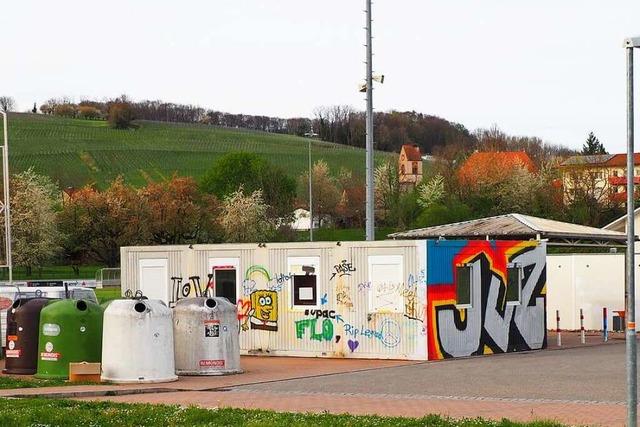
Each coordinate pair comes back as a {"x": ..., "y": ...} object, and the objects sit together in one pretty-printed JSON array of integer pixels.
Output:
[
  {"x": 412, "y": 152},
  {"x": 621, "y": 160}
]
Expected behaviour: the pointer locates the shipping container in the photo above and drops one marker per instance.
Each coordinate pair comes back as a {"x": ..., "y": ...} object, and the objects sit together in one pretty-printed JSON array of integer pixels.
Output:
[{"x": 397, "y": 299}]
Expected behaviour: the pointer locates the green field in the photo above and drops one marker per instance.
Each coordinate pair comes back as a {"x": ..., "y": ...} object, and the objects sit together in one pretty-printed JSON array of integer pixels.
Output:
[{"x": 74, "y": 152}]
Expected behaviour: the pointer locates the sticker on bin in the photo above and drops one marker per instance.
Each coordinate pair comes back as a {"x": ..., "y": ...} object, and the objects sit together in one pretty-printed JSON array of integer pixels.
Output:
[
  {"x": 218, "y": 363},
  {"x": 51, "y": 329},
  {"x": 212, "y": 328},
  {"x": 50, "y": 356},
  {"x": 14, "y": 353}
]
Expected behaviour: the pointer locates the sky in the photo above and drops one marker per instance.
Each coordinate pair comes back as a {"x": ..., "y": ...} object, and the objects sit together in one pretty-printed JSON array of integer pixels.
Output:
[{"x": 552, "y": 69}]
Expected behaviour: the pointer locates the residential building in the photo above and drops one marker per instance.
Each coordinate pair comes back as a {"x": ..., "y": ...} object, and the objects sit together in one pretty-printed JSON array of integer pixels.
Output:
[{"x": 602, "y": 177}]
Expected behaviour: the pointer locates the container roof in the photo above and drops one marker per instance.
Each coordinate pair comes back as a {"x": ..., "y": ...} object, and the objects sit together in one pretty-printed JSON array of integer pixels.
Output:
[{"x": 519, "y": 227}]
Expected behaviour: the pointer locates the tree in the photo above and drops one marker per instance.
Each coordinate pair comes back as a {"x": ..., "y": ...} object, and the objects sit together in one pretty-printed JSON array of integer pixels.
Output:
[
  {"x": 34, "y": 235},
  {"x": 120, "y": 113},
  {"x": 386, "y": 192},
  {"x": 88, "y": 112},
  {"x": 244, "y": 217},
  {"x": 431, "y": 192},
  {"x": 99, "y": 223},
  {"x": 7, "y": 103},
  {"x": 324, "y": 191},
  {"x": 593, "y": 146},
  {"x": 180, "y": 213},
  {"x": 252, "y": 172}
]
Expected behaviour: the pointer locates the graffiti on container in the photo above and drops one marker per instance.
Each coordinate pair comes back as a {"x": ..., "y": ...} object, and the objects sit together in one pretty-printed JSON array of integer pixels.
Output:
[
  {"x": 343, "y": 295},
  {"x": 258, "y": 277},
  {"x": 400, "y": 297},
  {"x": 353, "y": 344},
  {"x": 415, "y": 306},
  {"x": 490, "y": 325},
  {"x": 331, "y": 314},
  {"x": 388, "y": 334},
  {"x": 263, "y": 311},
  {"x": 192, "y": 285},
  {"x": 343, "y": 269},
  {"x": 324, "y": 299},
  {"x": 362, "y": 287},
  {"x": 322, "y": 332}
]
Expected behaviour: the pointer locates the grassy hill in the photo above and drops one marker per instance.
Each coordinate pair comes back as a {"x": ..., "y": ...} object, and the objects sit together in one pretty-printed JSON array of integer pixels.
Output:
[{"x": 74, "y": 152}]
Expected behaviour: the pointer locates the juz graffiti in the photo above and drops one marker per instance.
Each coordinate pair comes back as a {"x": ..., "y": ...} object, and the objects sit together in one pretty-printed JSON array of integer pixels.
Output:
[{"x": 490, "y": 325}]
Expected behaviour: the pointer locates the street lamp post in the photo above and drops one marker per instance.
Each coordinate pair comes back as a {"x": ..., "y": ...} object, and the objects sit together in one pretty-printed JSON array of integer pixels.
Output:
[
  {"x": 370, "y": 213},
  {"x": 310, "y": 193},
  {"x": 5, "y": 201},
  {"x": 630, "y": 294}
]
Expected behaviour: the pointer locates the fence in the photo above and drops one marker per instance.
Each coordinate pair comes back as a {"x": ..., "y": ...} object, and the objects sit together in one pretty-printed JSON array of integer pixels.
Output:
[{"x": 106, "y": 277}]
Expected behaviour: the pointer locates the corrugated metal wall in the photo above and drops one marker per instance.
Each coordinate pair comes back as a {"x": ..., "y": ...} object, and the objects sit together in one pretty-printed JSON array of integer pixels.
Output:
[{"x": 344, "y": 322}]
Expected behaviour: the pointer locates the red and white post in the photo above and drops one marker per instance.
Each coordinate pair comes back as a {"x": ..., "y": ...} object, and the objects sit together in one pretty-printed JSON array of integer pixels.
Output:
[{"x": 581, "y": 327}]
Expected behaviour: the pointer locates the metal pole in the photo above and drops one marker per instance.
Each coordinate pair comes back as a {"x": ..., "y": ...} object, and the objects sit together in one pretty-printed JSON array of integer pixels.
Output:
[
  {"x": 310, "y": 195},
  {"x": 370, "y": 225},
  {"x": 629, "y": 295},
  {"x": 7, "y": 208},
  {"x": 605, "y": 325}
]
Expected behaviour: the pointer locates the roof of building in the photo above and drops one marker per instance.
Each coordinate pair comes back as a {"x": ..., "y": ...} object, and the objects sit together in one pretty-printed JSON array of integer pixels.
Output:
[
  {"x": 519, "y": 227},
  {"x": 621, "y": 160},
  {"x": 620, "y": 224},
  {"x": 592, "y": 159},
  {"x": 412, "y": 152}
]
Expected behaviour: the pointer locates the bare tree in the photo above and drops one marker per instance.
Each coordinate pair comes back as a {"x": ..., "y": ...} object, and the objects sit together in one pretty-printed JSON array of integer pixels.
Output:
[{"x": 7, "y": 103}]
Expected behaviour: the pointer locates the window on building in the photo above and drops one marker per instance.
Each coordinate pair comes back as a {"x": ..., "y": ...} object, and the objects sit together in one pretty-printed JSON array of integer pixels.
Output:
[
  {"x": 224, "y": 280},
  {"x": 304, "y": 281},
  {"x": 514, "y": 283},
  {"x": 305, "y": 290},
  {"x": 414, "y": 168},
  {"x": 463, "y": 286}
]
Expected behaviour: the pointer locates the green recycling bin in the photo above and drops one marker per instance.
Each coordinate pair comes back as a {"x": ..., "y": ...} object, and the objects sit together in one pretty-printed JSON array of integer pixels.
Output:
[{"x": 70, "y": 332}]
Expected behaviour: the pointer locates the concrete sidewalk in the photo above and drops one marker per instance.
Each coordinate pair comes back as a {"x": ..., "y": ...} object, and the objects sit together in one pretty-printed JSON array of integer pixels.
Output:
[{"x": 470, "y": 387}]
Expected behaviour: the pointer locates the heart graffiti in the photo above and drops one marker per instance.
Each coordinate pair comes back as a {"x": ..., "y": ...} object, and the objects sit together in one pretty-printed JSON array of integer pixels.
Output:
[{"x": 353, "y": 345}]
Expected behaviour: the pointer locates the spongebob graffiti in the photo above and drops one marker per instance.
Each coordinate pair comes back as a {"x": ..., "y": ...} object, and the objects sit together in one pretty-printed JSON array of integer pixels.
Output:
[{"x": 264, "y": 311}]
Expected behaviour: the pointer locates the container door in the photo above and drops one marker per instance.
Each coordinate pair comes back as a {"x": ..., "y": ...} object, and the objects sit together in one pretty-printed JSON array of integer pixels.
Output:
[{"x": 225, "y": 277}]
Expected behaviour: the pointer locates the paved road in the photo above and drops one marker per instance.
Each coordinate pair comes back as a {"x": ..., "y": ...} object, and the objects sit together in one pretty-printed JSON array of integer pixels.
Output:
[
  {"x": 577, "y": 385},
  {"x": 594, "y": 374}
]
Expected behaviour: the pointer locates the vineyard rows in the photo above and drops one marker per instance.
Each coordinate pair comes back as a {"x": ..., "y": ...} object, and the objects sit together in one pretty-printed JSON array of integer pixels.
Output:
[{"x": 74, "y": 152}]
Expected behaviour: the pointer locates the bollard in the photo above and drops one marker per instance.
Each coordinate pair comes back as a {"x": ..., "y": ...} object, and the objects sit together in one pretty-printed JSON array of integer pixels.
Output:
[
  {"x": 605, "y": 333},
  {"x": 558, "y": 328},
  {"x": 581, "y": 327}
]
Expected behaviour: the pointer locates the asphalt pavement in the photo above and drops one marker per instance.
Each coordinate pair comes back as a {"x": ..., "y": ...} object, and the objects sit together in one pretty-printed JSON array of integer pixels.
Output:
[{"x": 576, "y": 384}]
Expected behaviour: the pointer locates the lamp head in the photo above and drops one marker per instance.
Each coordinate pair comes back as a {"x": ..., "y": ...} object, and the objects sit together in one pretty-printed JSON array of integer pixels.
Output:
[{"x": 631, "y": 42}]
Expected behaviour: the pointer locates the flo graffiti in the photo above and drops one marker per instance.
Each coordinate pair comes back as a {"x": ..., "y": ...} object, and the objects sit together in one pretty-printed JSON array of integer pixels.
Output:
[
  {"x": 318, "y": 330},
  {"x": 319, "y": 327},
  {"x": 490, "y": 325}
]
